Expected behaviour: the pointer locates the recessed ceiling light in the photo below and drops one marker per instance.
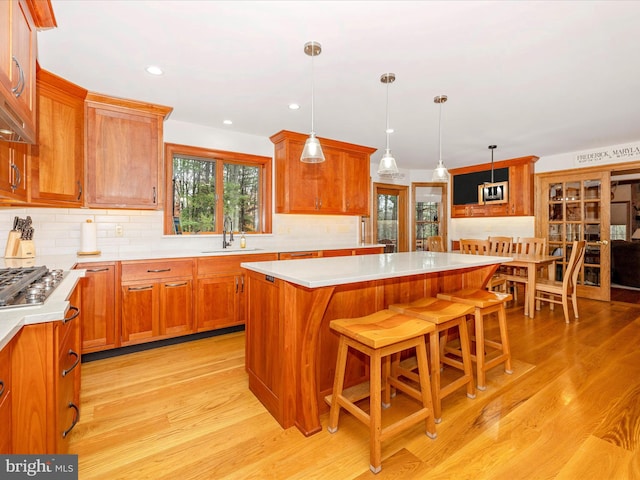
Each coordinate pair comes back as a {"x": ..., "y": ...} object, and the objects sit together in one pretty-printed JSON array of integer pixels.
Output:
[
  {"x": 389, "y": 130},
  {"x": 227, "y": 122},
  {"x": 294, "y": 106},
  {"x": 154, "y": 70}
]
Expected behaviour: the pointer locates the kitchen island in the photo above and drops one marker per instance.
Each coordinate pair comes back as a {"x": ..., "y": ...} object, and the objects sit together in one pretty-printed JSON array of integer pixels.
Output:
[{"x": 290, "y": 349}]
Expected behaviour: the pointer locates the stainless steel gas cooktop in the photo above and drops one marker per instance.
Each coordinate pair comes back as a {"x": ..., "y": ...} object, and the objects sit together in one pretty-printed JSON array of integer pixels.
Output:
[{"x": 27, "y": 286}]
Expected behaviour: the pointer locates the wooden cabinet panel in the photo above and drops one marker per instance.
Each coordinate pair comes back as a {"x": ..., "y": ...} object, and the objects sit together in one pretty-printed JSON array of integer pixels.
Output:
[
  {"x": 13, "y": 172},
  {"x": 339, "y": 185},
  {"x": 5, "y": 401},
  {"x": 140, "y": 312},
  {"x": 217, "y": 302},
  {"x": 18, "y": 66},
  {"x": 176, "y": 314},
  {"x": 521, "y": 190},
  {"x": 139, "y": 270},
  {"x": 99, "y": 327},
  {"x": 45, "y": 364},
  {"x": 124, "y": 153},
  {"x": 57, "y": 162}
]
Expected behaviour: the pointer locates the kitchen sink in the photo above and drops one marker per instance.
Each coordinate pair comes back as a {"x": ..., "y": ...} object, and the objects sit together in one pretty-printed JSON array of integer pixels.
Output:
[{"x": 231, "y": 250}]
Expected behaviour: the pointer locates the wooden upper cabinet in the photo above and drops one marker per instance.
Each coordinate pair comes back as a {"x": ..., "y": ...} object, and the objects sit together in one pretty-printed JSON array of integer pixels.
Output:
[
  {"x": 13, "y": 172},
  {"x": 18, "y": 66},
  {"x": 339, "y": 185},
  {"x": 124, "y": 153},
  {"x": 520, "y": 200},
  {"x": 57, "y": 161}
]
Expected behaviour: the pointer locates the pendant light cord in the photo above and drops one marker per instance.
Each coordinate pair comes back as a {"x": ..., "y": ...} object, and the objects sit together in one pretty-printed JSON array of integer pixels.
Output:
[
  {"x": 387, "y": 129},
  {"x": 312, "y": 87},
  {"x": 440, "y": 135}
]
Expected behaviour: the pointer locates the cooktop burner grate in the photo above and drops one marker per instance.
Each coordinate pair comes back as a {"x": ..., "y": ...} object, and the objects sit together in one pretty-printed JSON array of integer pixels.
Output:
[{"x": 13, "y": 281}]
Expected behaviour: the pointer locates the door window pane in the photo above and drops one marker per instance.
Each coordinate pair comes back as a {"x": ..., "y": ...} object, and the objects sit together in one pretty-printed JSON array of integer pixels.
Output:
[{"x": 387, "y": 221}]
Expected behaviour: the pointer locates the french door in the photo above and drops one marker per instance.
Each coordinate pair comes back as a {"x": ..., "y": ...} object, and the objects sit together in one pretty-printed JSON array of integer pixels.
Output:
[
  {"x": 577, "y": 207},
  {"x": 390, "y": 218}
]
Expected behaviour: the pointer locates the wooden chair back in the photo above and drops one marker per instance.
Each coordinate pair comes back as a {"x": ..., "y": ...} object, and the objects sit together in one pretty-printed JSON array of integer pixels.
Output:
[
  {"x": 570, "y": 279},
  {"x": 474, "y": 246},
  {"x": 435, "y": 244},
  {"x": 500, "y": 245},
  {"x": 531, "y": 245}
]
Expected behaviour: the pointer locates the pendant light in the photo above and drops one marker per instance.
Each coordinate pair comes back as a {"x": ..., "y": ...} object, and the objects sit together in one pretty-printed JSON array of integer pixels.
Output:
[
  {"x": 493, "y": 192},
  {"x": 312, "y": 151},
  {"x": 387, "y": 162},
  {"x": 440, "y": 174}
]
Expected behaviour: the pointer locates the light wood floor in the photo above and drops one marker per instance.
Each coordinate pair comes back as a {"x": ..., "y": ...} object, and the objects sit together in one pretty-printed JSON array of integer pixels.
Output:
[{"x": 571, "y": 410}]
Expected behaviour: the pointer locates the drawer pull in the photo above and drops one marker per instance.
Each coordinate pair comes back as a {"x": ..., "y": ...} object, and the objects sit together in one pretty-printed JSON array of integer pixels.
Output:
[
  {"x": 159, "y": 270},
  {"x": 236, "y": 279},
  {"x": 76, "y": 312},
  {"x": 139, "y": 289},
  {"x": 308, "y": 254},
  {"x": 98, "y": 270},
  {"x": 76, "y": 418},
  {"x": 1, "y": 388},
  {"x": 71, "y": 353},
  {"x": 181, "y": 284}
]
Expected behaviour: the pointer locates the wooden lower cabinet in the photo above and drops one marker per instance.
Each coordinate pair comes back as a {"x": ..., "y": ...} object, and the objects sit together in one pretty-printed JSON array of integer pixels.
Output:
[
  {"x": 156, "y": 300},
  {"x": 220, "y": 295},
  {"x": 6, "y": 444},
  {"x": 45, "y": 363},
  {"x": 100, "y": 331}
]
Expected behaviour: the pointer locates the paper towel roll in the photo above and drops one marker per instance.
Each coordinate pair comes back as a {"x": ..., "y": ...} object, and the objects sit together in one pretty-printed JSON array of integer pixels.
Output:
[{"x": 88, "y": 237}]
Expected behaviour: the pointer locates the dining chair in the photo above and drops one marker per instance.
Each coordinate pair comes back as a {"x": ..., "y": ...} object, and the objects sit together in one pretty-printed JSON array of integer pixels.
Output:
[
  {"x": 475, "y": 246},
  {"x": 500, "y": 245},
  {"x": 553, "y": 291},
  {"x": 435, "y": 243},
  {"x": 527, "y": 246}
]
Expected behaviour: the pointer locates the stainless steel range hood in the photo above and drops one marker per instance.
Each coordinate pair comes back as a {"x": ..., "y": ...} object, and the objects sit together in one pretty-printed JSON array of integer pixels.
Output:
[{"x": 12, "y": 127}]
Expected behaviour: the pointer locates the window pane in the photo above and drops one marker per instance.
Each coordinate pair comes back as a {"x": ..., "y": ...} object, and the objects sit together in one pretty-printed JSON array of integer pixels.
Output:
[
  {"x": 194, "y": 193},
  {"x": 241, "y": 197}
]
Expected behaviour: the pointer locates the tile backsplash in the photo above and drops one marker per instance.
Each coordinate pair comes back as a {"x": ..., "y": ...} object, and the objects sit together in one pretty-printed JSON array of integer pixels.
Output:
[{"x": 57, "y": 230}]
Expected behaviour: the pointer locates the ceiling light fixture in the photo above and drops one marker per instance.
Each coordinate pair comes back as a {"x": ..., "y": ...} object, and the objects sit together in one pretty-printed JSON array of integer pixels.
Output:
[
  {"x": 154, "y": 70},
  {"x": 312, "y": 151},
  {"x": 228, "y": 122},
  {"x": 387, "y": 162},
  {"x": 440, "y": 174},
  {"x": 294, "y": 106}
]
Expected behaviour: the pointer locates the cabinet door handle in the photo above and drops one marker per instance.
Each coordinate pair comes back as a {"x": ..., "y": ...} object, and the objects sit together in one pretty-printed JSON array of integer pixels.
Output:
[
  {"x": 67, "y": 371},
  {"x": 236, "y": 284},
  {"x": 139, "y": 289},
  {"x": 242, "y": 284},
  {"x": 76, "y": 418},
  {"x": 79, "y": 190},
  {"x": 1, "y": 388},
  {"x": 17, "y": 177},
  {"x": 76, "y": 312},
  {"x": 98, "y": 270},
  {"x": 19, "y": 88},
  {"x": 171, "y": 285},
  {"x": 159, "y": 270},
  {"x": 154, "y": 195}
]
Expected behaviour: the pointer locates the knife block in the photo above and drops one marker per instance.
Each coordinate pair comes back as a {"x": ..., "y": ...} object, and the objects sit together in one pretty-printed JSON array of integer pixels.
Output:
[
  {"x": 17, "y": 248},
  {"x": 12, "y": 244}
]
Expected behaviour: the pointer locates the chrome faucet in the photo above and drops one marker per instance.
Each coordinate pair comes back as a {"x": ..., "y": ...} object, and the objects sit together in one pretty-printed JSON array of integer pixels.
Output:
[{"x": 227, "y": 226}]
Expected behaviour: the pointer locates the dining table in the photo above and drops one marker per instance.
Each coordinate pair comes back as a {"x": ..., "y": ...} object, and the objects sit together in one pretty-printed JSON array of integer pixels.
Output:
[{"x": 532, "y": 263}]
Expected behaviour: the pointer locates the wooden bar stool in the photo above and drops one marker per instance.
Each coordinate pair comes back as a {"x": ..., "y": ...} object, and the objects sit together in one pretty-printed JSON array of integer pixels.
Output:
[
  {"x": 444, "y": 315},
  {"x": 379, "y": 336},
  {"x": 485, "y": 303}
]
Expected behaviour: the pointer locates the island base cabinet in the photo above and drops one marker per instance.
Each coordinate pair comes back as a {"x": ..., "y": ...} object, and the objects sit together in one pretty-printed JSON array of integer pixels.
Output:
[
  {"x": 45, "y": 364},
  {"x": 5, "y": 401}
]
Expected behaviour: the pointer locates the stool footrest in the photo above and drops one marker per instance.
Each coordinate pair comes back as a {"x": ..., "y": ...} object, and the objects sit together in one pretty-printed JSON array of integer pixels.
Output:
[{"x": 353, "y": 394}]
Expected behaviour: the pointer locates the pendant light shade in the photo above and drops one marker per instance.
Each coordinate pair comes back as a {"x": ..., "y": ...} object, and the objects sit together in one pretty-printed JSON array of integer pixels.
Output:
[
  {"x": 312, "y": 151},
  {"x": 387, "y": 162},
  {"x": 440, "y": 174}
]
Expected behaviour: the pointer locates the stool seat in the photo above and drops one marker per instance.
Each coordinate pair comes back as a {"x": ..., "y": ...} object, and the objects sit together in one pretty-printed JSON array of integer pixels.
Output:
[
  {"x": 445, "y": 315},
  {"x": 381, "y": 335},
  {"x": 381, "y": 329},
  {"x": 485, "y": 303}
]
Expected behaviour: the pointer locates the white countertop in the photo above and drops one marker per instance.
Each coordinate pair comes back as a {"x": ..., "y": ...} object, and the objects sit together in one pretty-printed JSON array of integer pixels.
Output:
[
  {"x": 322, "y": 272},
  {"x": 54, "y": 308}
]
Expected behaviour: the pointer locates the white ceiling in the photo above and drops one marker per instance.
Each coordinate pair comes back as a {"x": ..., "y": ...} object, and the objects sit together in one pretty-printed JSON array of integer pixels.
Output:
[{"x": 533, "y": 77}]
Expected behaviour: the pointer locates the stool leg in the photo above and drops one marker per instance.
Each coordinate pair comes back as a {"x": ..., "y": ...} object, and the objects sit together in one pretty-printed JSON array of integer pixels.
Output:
[
  {"x": 388, "y": 369},
  {"x": 504, "y": 339},
  {"x": 425, "y": 388},
  {"x": 480, "y": 349},
  {"x": 338, "y": 385},
  {"x": 434, "y": 346},
  {"x": 467, "y": 363},
  {"x": 375, "y": 412}
]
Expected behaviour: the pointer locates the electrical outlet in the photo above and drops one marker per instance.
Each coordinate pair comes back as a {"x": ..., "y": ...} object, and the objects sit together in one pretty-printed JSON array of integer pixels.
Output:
[{"x": 119, "y": 231}]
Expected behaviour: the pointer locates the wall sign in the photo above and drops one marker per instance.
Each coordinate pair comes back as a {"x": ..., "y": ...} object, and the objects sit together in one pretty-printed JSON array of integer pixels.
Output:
[{"x": 621, "y": 153}]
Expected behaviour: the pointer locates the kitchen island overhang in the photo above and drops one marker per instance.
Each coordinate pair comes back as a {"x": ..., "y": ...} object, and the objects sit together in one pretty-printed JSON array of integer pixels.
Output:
[{"x": 290, "y": 349}]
